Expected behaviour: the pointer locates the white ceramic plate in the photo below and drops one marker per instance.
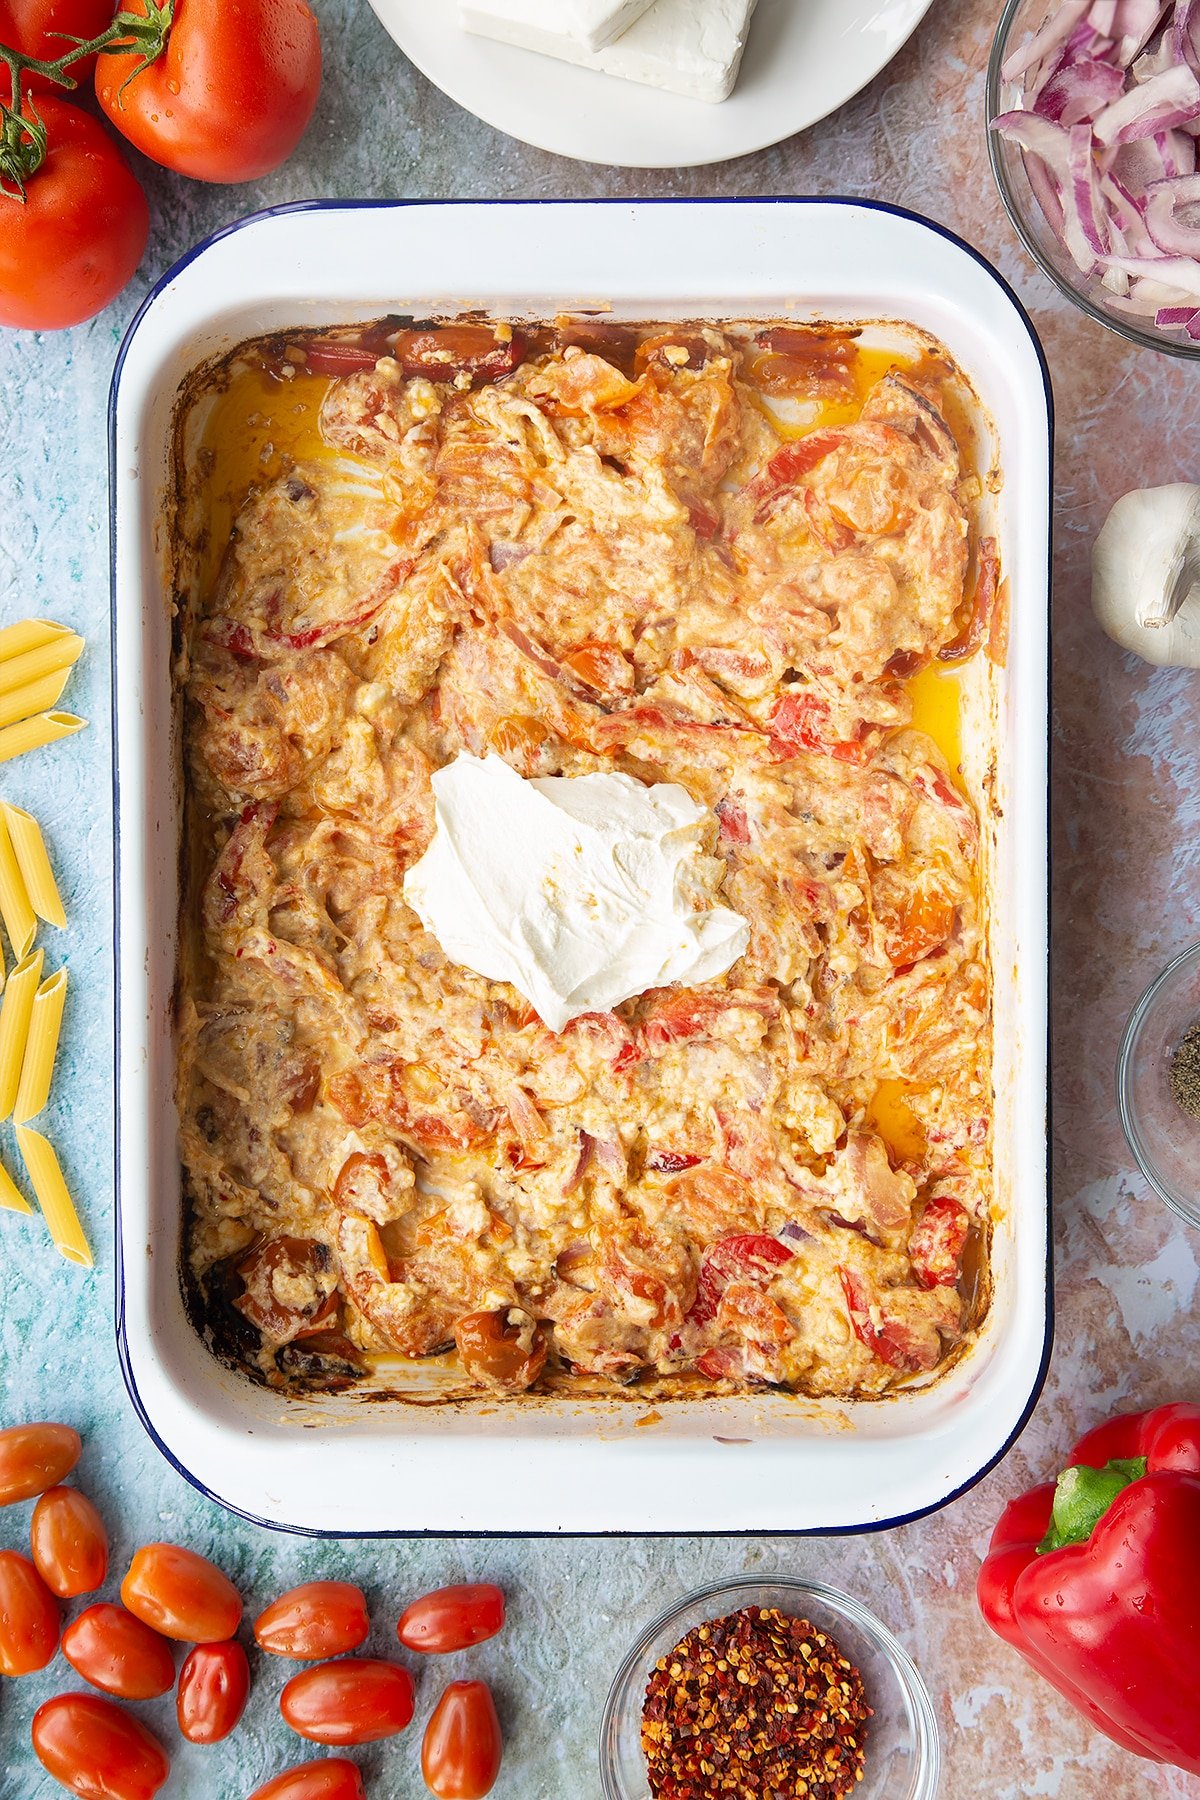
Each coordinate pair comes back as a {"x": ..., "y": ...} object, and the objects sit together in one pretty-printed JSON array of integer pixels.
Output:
[
  {"x": 804, "y": 59},
  {"x": 762, "y": 1462}
]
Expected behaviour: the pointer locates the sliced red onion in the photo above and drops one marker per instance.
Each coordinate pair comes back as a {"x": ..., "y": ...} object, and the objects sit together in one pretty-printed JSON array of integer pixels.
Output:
[
  {"x": 1159, "y": 104},
  {"x": 1079, "y": 90},
  {"x": 794, "y": 1233},
  {"x": 1178, "y": 152},
  {"x": 1048, "y": 38},
  {"x": 1168, "y": 204},
  {"x": 1185, "y": 33},
  {"x": 1179, "y": 274},
  {"x": 1134, "y": 24},
  {"x": 1085, "y": 199},
  {"x": 1193, "y": 327},
  {"x": 1103, "y": 16},
  {"x": 1169, "y": 317}
]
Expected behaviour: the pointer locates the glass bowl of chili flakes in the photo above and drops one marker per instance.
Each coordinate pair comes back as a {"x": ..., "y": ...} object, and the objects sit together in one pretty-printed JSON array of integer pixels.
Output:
[{"x": 724, "y": 1745}]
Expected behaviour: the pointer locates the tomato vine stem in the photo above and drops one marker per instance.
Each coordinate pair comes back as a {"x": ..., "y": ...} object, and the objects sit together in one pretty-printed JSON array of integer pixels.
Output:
[{"x": 23, "y": 136}]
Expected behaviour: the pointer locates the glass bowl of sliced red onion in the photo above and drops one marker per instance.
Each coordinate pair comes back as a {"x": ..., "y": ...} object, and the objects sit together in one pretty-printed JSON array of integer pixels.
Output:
[{"x": 1094, "y": 114}]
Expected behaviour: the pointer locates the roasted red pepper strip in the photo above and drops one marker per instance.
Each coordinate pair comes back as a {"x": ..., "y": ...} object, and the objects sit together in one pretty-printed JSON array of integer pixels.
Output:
[{"x": 1104, "y": 1606}]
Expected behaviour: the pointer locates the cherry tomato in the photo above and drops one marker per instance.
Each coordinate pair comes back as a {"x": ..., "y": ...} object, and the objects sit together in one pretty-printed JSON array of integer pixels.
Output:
[
  {"x": 28, "y": 1617},
  {"x": 118, "y": 1654},
  {"x": 452, "y": 1618},
  {"x": 462, "y": 1747},
  {"x": 97, "y": 1750},
  {"x": 69, "y": 250},
  {"x": 42, "y": 28},
  {"x": 34, "y": 1457},
  {"x": 214, "y": 1685},
  {"x": 69, "y": 1542},
  {"x": 502, "y": 1355},
  {"x": 354, "y": 1701},
  {"x": 229, "y": 98},
  {"x": 317, "y": 1619},
  {"x": 182, "y": 1595},
  {"x": 333, "y": 1778}
]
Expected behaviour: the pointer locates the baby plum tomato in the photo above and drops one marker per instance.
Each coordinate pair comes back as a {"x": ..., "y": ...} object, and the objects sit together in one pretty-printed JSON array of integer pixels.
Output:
[
  {"x": 182, "y": 1595},
  {"x": 452, "y": 1618},
  {"x": 43, "y": 28},
  {"x": 315, "y": 1620},
  {"x": 333, "y": 1778},
  {"x": 69, "y": 1543},
  {"x": 67, "y": 250},
  {"x": 118, "y": 1654},
  {"x": 34, "y": 1457},
  {"x": 214, "y": 1685},
  {"x": 29, "y": 1622},
  {"x": 98, "y": 1751},
  {"x": 355, "y": 1701},
  {"x": 230, "y": 96},
  {"x": 463, "y": 1748}
]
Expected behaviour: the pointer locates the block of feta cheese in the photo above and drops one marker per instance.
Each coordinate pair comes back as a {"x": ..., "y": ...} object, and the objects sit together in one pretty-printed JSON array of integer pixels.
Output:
[
  {"x": 547, "y": 25},
  {"x": 691, "y": 47}
]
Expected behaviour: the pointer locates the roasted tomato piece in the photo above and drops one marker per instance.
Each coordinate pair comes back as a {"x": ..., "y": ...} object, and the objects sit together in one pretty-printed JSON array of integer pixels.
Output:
[
  {"x": 97, "y": 1750},
  {"x": 332, "y": 1778},
  {"x": 29, "y": 1621},
  {"x": 664, "y": 351},
  {"x": 802, "y": 722},
  {"x": 601, "y": 667},
  {"x": 463, "y": 1746},
  {"x": 745, "y": 1257},
  {"x": 317, "y": 1619},
  {"x": 979, "y": 620},
  {"x": 360, "y": 1179},
  {"x": 893, "y": 1341},
  {"x": 505, "y": 1351},
  {"x": 357, "y": 1700},
  {"x": 214, "y": 1686},
  {"x": 69, "y": 1543},
  {"x": 452, "y": 1618},
  {"x": 444, "y": 351},
  {"x": 806, "y": 361},
  {"x": 671, "y": 1162},
  {"x": 34, "y": 1458},
  {"x": 926, "y": 920},
  {"x": 936, "y": 1245},
  {"x": 287, "y": 1286},
  {"x": 733, "y": 821},
  {"x": 181, "y": 1594}
]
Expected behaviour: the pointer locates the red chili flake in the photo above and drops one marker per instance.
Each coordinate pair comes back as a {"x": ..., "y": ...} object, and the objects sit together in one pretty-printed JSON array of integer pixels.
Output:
[{"x": 757, "y": 1706}]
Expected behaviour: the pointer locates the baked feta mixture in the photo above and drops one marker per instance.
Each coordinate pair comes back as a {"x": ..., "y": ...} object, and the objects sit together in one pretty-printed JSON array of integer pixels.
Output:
[{"x": 710, "y": 569}]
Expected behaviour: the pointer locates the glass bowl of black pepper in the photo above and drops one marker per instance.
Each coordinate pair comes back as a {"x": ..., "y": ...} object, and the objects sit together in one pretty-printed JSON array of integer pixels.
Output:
[
  {"x": 680, "y": 1719},
  {"x": 1158, "y": 1084}
]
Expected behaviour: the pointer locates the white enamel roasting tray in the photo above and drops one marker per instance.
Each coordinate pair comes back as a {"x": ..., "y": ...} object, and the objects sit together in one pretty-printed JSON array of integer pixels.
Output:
[{"x": 765, "y": 1463}]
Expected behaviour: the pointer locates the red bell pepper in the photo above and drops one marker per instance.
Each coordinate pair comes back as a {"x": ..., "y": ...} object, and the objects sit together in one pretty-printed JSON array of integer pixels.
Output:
[{"x": 1094, "y": 1579}]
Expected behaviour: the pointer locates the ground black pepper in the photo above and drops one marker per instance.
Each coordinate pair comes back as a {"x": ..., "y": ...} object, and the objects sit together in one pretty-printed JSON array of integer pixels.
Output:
[
  {"x": 1185, "y": 1072},
  {"x": 756, "y": 1706}
]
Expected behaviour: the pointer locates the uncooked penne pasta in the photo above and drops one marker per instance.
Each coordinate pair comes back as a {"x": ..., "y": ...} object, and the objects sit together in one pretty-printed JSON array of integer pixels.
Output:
[
  {"x": 49, "y": 1184},
  {"x": 30, "y": 634},
  {"x": 29, "y": 847},
  {"x": 35, "y": 697},
  {"x": 30, "y": 734},
  {"x": 20, "y": 921},
  {"x": 41, "y": 1047},
  {"x": 15, "y": 1011},
  {"x": 44, "y": 659},
  {"x": 11, "y": 1197}
]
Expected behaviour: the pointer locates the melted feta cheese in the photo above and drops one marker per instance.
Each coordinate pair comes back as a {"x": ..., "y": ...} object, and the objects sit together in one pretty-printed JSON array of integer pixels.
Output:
[{"x": 581, "y": 891}]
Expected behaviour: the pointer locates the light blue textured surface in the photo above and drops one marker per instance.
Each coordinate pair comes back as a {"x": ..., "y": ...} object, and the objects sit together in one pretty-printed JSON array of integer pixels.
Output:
[{"x": 914, "y": 137}]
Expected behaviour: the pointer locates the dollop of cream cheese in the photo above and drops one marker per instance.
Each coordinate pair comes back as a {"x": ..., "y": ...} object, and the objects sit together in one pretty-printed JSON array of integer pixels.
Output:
[{"x": 580, "y": 890}]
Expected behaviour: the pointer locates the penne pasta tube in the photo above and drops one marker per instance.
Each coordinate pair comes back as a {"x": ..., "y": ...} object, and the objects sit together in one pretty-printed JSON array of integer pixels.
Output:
[
  {"x": 58, "y": 1209},
  {"x": 41, "y": 1047},
  {"x": 30, "y": 634},
  {"x": 11, "y": 1197},
  {"x": 29, "y": 848},
  {"x": 44, "y": 659},
  {"x": 34, "y": 697},
  {"x": 20, "y": 921},
  {"x": 15, "y": 1011},
  {"x": 30, "y": 734}
]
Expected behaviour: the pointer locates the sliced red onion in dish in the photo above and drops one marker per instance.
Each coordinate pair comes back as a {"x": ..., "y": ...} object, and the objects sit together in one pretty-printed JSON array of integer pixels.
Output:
[{"x": 1107, "y": 117}]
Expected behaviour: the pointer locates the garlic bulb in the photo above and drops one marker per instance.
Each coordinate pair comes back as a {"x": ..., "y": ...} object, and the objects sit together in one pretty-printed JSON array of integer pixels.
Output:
[{"x": 1146, "y": 574}]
